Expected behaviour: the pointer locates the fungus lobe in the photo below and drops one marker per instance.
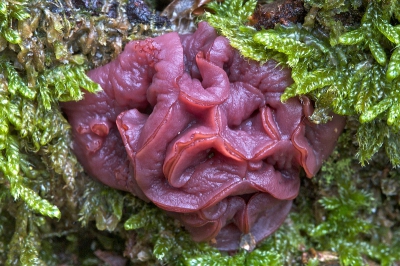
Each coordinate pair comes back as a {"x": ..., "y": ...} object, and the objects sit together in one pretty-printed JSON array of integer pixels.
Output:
[{"x": 187, "y": 123}]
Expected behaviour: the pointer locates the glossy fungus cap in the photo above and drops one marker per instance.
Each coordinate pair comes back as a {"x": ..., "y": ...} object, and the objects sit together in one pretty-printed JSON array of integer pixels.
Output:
[{"x": 189, "y": 124}]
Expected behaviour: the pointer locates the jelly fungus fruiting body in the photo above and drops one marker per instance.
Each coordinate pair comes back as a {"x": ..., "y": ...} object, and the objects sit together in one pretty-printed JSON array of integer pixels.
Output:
[{"x": 185, "y": 122}]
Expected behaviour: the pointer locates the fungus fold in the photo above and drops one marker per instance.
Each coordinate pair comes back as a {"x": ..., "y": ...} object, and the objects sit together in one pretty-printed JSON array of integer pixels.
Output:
[{"x": 187, "y": 123}]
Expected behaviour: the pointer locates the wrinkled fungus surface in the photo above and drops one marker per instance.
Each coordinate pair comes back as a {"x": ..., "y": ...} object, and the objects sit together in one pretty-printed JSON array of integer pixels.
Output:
[{"x": 187, "y": 123}]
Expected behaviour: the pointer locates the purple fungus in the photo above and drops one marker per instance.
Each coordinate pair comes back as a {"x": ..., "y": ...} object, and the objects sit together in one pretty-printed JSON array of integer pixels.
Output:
[{"x": 187, "y": 123}]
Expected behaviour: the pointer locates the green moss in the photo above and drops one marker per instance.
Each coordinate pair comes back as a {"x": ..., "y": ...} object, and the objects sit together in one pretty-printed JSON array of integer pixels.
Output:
[{"x": 104, "y": 204}]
